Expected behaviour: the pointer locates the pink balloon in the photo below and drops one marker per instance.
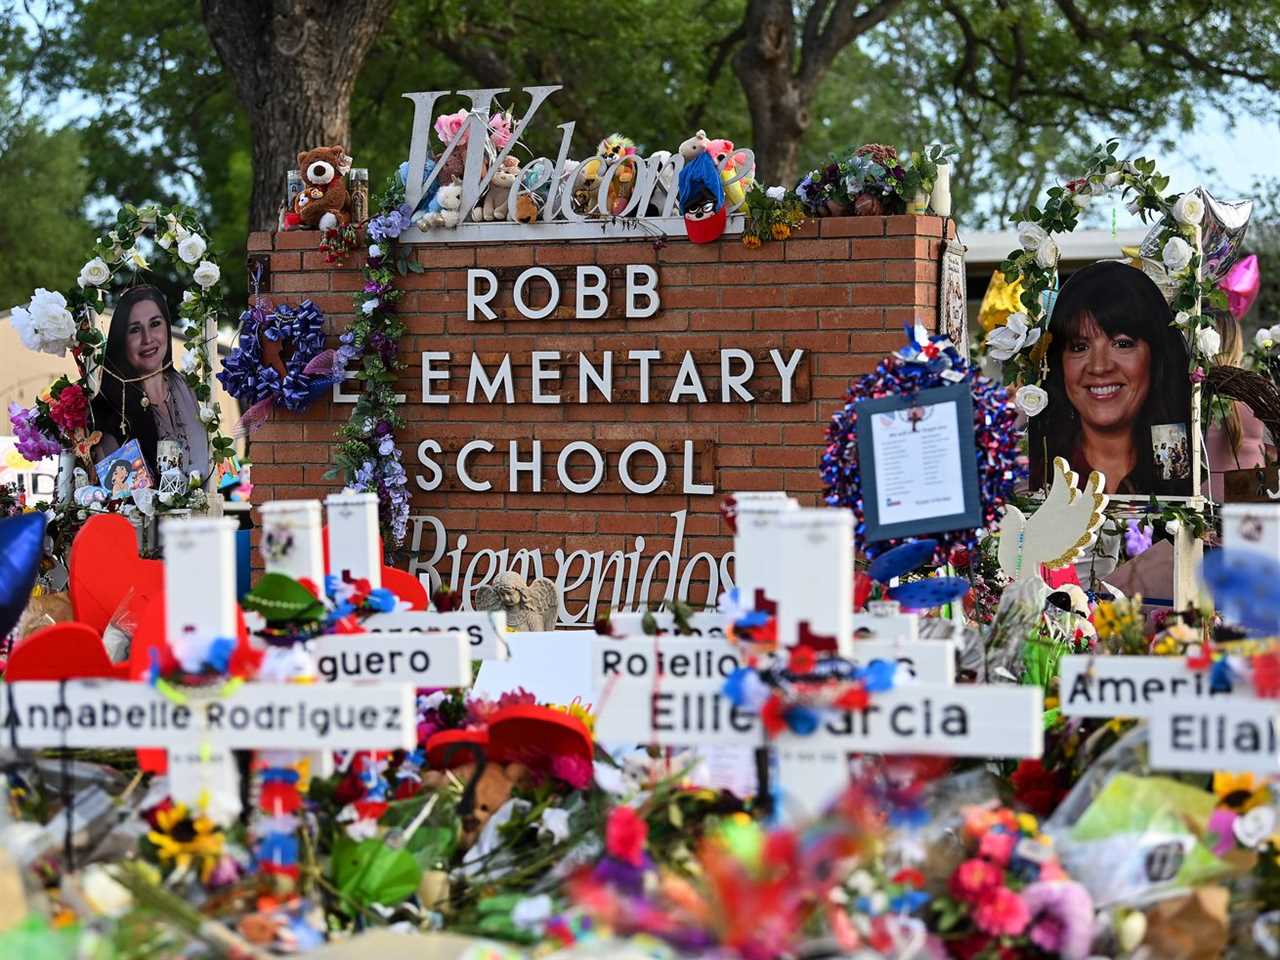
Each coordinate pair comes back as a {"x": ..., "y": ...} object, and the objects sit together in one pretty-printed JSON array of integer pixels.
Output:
[{"x": 1241, "y": 284}]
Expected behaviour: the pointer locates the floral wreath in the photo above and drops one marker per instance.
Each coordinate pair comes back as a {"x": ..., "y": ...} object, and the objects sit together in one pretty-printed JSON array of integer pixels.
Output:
[
  {"x": 1022, "y": 341},
  {"x": 309, "y": 370},
  {"x": 924, "y": 363},
  {"x": 55, "y": 322}
]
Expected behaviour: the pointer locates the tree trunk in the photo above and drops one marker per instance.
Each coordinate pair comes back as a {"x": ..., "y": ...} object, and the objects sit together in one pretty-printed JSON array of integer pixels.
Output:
[
  {"x": 294, "y": 64},
  {"x": 780, "y": 76}
]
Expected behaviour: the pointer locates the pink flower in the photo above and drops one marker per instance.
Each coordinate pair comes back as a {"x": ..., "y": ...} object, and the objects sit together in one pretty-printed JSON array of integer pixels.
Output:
[
  {"x": 1002, "y": 913},
  {"x": 625, "y": 833},
  {"x": 573, "y": 769},
  {"x": 448, "y": 124},
  {"x": 974, "y": 878},
  {"x": 1061, "y": 918},
  {"x": 500, "y": 131},
  {"x": 997, "y": 846}
]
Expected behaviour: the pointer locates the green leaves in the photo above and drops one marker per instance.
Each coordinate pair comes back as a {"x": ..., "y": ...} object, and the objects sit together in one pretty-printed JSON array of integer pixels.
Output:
[{"x": 370, "y": 872}]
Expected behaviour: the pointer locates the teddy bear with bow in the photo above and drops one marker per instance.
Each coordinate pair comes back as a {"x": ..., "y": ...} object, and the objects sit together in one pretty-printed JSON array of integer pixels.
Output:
[{"x": 324, "y": 202}]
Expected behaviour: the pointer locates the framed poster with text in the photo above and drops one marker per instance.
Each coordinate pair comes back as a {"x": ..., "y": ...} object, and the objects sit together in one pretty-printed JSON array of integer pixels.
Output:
[{"x": 919, "y": 474}]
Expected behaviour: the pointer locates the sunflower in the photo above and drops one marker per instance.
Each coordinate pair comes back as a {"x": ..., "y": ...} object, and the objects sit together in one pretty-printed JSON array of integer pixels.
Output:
[
  {"x": 780, "y": 231},
  {"x": 187, "y": 840},
  {"x": 750, "y": 241},
  {"x": 1240, "y": 792},
  {"x": 579, "y": 712}
]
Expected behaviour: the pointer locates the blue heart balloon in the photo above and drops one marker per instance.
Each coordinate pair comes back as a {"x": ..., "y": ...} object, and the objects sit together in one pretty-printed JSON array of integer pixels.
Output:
[
  {"x": 930, "y": 592},
  {"x": 901, "y": 559},
  {"x": 21, "y": 546}
]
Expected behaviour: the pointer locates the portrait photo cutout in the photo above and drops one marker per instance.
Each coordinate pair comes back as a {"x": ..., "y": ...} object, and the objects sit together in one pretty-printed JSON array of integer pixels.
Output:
[
  {"x": 1119, "y": 386},
  {"x": 142, "y": 397}
]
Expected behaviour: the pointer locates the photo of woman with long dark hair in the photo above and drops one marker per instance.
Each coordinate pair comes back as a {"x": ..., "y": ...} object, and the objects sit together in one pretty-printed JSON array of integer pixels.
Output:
[
  {"x": 141, "y": 396},
  {"x": 1117, "y": 369}
]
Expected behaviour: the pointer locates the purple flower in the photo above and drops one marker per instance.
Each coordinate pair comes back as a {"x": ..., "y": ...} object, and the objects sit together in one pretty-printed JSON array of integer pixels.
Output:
[
  {"x": 386, "y": 445},
  {"x": 383, "y": 428},
  {"x": 1061, "y": 918},
  {"x": 1137, "y": 538},
  {"x": 32, "y": 443}
]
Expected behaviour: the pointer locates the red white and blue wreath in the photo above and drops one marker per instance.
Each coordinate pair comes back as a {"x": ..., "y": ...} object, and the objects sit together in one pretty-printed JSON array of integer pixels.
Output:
[
  {"x": 925, "y": 363},
  {"x": 280, "y": 361}
]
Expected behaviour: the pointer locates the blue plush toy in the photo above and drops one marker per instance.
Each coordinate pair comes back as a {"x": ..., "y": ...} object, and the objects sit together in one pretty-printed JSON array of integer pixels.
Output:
[{"x": 428, "y": 203}]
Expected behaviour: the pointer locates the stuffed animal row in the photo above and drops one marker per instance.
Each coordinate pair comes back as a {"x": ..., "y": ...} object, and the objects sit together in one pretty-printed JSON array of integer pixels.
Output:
[{"x": 440, "y": 207}]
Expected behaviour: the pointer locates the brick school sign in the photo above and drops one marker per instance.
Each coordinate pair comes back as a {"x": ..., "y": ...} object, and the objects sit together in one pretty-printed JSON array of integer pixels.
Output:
[{"x": 578, "y": 409}]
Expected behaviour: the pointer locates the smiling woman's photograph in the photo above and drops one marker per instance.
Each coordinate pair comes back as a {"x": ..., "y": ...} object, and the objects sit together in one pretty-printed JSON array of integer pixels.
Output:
[
  {"x": 141, "y": 396},
  {"x": 1118, "y": 385}
]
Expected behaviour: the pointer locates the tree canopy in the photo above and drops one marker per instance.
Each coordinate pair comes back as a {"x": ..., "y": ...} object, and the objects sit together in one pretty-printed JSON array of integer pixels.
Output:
[{"x": 1023, "y": 87}]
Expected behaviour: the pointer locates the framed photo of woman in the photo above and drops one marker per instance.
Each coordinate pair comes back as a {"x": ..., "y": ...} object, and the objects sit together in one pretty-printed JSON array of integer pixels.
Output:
[{"x": 1120, "y": 392}]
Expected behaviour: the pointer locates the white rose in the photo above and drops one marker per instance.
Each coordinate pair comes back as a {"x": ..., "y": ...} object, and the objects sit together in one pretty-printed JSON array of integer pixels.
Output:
[
  {"x": 1099, "y": 187},
  {"x": 1189, "y": 209},
  {"x": 776, "y": 193},
  {"x": 208, "y": 413},
  {"x": 1176, "y": 254},
  {"x": 1262, "y": 338},
  {"x": 1047, "y": 253},
  {"x": 1274, "y": 333},
  {"x": 46, "y": 324},
  {"x": 1081, "y": 199},
  {"x": 1031, "y": 235},
  {"x": 179, "y": 231},
  {"x": 206, "y": 274},
  {"x": 191, "y": 248},
  {"x": 1182, "y": 319},
  {"x": 1112, "y": 179},
  {"x": 369, "y": 306},
  {"x": 165, "y": 241},
  {"x": 1031, "y": 399},
  {"x": 1172, "y": 527},
  {"x": 1003, "y": 342},
  {"x": 187, "y": 362},
  {"x": 103, "y": 893},
  {"x": 94, "y": 273},
  {"x": 375, "y": 251},
  {"x": 1209, "y": 341},
  {"x": 188, "y": 296}
]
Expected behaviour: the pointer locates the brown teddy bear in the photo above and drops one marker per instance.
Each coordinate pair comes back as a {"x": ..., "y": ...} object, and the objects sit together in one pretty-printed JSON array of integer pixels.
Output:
[{"x": 324, "y": 202}]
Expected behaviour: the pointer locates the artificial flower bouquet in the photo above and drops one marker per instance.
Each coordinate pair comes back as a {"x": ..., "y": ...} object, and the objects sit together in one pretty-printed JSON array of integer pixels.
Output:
[
  {"x": 57, "y": 421},
  {"x": 772, "y": 214}
]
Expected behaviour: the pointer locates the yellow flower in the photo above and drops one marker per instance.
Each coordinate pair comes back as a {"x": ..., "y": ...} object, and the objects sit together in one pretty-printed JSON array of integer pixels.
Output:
[
  {"x": 1239, "y": 791},
  {"x": 186, "y": 840},
  {"x": 1027, "y": 823},
  {"x": 751, "y": 241},
  {"x": 579, "y": 712},
  {"x": 781, "y": 231}
]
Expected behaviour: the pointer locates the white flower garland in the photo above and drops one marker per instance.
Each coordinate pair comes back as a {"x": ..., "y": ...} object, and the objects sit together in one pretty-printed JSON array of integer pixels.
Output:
[{"x": 1035, "y": 263}]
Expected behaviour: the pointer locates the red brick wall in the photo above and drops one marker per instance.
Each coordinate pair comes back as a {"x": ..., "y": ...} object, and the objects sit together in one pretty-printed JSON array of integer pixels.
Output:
[{"x": 840, "y": 290}]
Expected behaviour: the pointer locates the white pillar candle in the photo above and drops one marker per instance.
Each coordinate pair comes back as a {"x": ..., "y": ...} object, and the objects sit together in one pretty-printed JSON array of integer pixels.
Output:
[
  {"x": 756, "y": 548},
  {"x": 292, "y": 542},
  {"x": 199, "y": 585},
  {"x": 815, "y": 593},
  {"x": 353, "y": 537},
  {"x": 940, "y": 199}
]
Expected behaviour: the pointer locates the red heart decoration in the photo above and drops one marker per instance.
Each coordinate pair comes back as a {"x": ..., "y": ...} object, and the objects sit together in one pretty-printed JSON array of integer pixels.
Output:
[
  {"x": 105, "y": 567},
  {"x": 400, "y": 582},
  {"x": 63, "y": 651}
]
